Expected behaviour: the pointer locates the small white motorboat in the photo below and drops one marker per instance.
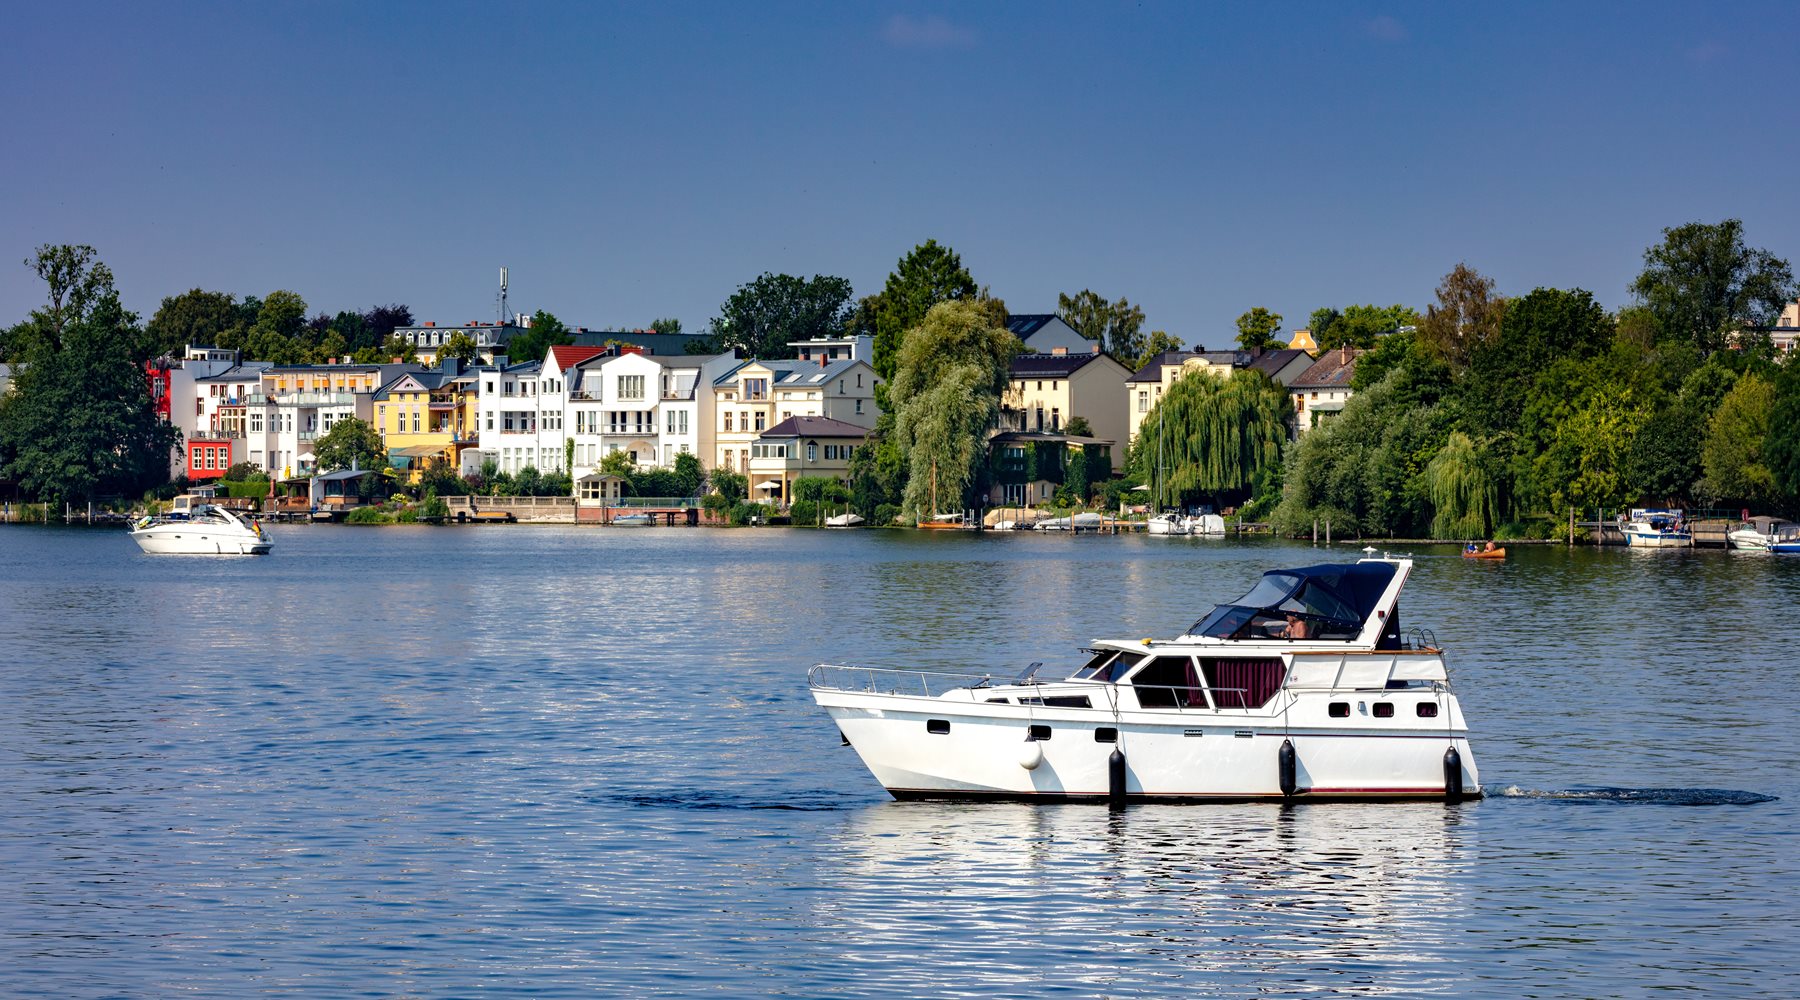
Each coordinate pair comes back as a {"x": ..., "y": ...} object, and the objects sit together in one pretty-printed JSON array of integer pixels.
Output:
[
  {"x": 200, "y": 529},
  {"x": 845, "y": 520},
  {"x": 1087, "y": 521},
  {"x": 1303, "y": 689},
  {"x": 1656, "y": 529},
  {"x": 1760, "y": 534},
  {"x": 1171, "y": 523},
  {"x": 639, "y": 519}
]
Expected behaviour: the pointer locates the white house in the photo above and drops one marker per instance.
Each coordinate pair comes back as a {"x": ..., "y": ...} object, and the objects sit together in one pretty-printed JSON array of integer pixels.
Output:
[{"x": 508, "y": 417}]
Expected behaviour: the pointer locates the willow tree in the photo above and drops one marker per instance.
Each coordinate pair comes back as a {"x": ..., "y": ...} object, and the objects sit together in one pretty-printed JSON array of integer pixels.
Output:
[
  {"x": 1211, "y": 435},
  {"x": 1465, "y": 497},
  {"x": 949, "y": 374}
]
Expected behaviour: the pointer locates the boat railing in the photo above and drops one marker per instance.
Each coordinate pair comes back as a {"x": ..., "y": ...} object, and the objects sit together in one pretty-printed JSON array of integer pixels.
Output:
[
  {"x": 1418, "y": 639},
  {"x": 899, "y": 680}
]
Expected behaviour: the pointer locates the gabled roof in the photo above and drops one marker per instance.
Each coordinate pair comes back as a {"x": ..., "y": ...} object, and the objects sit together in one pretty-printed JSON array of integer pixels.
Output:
[
  {"x": 1272, "y": 362},
  {"x": 1332, "y": 371},
  {"x": 569, "y": 355},
  {"x": 428, "y": 380},
  {"x": 815, "y": 427},
  {"x": 238, "y": 373},
  {"x": 1152, "y": 370},
  {"x": 1024, "y": 325},
  {"x": 792, "y": 373},
  {"x": 1050, "y": 365}
]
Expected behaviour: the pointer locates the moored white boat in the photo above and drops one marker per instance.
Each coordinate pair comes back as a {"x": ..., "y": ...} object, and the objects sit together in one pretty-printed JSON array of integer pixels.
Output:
[
  {"x": 1086, "y": 521},
  {"x": 1303, "y": 689},
  {"x": 200, "y": 529},
  {"x": 1170, "y": 523},
  {"x": 1761, "y": 534},
  {"x": 843, "y": 520},
  {"x": 639, "y": 519},
  {"x": 1656, "y": 529}
]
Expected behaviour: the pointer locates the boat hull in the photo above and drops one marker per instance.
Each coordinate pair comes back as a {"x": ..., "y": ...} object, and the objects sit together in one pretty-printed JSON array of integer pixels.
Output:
[
  {"x": 1658, "y": 539},
  {"x": 175, "y": 539},
  {"x": 1189, "y": 756}
]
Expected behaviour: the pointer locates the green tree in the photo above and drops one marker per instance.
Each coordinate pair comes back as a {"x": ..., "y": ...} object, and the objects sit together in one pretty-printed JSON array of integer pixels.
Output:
[
  {"x": 545, "y": 332},
  {"x": 399, "y": 347},
  {"x": 350, "y": 443},
  {"x": 689, "y": 474},
  {"x": 1463, "y": 491},
  {"x": 1360, "y": 326},
  {"x": 948, "y": 379},
  {"x": 1702, "y": 283},
  {"x": 1117, "y": 326},
  {"x": 926, "y": 276},
  {"x": 1078, "y": 426},
  {"x": 460, "y": 346},
  {"x": 666, "y": 326},
  {"x": 1319, "y": 324},
  {"x": 1736, "y": 437},
  {"x": 193, "y": 317},
  {"x": 1157, "y": 344},
  {"x": 762, "y": 317},
  {"x": 1537, "y": 330},
  {"x": 1465, "y": 319},
  {"x": 1781, "y": 448},
  {"x": 77, "y": 422},
  {"x": 1257, "y": 329},
  {"x": 733, "y": 486},
  {"x": 1210, "y": 436}
]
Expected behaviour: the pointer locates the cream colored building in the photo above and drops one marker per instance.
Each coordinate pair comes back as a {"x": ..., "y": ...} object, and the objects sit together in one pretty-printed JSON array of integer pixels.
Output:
[
  {"x": 802, "y": 446},
  {"x": 1149, "y": 383},
  {"x": 756, "y": 395},
  {"x": 1046, "y": 390}
]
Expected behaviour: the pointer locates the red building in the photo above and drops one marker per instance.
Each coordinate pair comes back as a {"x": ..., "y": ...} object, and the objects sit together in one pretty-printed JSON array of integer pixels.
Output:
[
  {"x": 208, "y": 457},
  {"x": 158, "y": 378}
]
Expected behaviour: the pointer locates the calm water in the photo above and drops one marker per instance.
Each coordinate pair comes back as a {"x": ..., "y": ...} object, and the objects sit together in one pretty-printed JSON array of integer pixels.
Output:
[{"x": 583, "y": 762}]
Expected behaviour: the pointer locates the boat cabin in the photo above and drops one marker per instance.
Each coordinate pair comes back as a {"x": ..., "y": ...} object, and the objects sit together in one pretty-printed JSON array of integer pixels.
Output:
[{"x": 1350, "y": 603}]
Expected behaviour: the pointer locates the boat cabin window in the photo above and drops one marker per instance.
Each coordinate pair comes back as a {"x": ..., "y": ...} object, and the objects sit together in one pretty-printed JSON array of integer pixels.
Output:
[
  {"x": 1243, "y": 682},
  {"x": 1169, "y": 682},
  {"x": 1427, "y": 709},
  {"x": 1108, "y": 665}
]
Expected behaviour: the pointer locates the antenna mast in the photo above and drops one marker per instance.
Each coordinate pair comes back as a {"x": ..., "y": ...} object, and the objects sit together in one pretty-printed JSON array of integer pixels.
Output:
[{"x": 505, "y": 316}]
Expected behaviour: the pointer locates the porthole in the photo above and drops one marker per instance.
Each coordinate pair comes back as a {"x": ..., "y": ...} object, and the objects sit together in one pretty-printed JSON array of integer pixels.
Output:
[
  {"x": 1039, "y": 732},
  {"x": 937, "y": 726},
  {"x": 1384, "y": 710},
  {"x": 1339, "y": 710},
  {"x": 1106, "y": 734},
  {"x": 1427, "y": 709}
]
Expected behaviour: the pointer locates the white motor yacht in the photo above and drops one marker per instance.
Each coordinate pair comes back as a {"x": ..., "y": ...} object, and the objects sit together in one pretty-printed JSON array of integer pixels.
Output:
[
  {"x": 1171, "y": 523},
  {"x": 1656, "y": 529},
  {"x": 200, "y": 529},
  {"x": 1760, "y": 534},
  {"x": 1303, "y": 689}
]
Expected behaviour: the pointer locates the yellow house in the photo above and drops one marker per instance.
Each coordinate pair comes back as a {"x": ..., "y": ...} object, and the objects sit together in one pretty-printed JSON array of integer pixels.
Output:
[
  {"x": 426, "y": 415},
  {"x": 757, "y": 395}
]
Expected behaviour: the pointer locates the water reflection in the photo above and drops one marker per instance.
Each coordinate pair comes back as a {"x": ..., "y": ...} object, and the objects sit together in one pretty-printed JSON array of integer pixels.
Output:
[{"x": 1227, "y": 897}]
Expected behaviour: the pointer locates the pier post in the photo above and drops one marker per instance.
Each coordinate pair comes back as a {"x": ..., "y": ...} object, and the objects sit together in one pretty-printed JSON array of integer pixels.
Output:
[
  {"x": 1315, "y": 531},
  {"x": 1327, "y": 532},
  {"x": 1571, "y": 527}
]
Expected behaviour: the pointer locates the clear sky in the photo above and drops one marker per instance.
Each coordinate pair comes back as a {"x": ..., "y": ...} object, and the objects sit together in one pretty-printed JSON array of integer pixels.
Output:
[{"x": 630, "y": 162}]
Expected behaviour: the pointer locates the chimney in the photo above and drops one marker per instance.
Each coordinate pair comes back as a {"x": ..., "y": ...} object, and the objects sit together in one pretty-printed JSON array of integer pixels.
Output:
[
  {"x": 1059, "y": 350},
  {"x": 1344, "y": 355},
  {"x": 1094, "y": 348}
]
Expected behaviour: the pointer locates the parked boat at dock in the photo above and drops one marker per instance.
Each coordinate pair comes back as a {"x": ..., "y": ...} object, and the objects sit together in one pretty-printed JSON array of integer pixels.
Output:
[
  {"x": 1761, "y": 534},
  {"x": 1303, "y": 689},
  {"x": 1656, "y": 529}
]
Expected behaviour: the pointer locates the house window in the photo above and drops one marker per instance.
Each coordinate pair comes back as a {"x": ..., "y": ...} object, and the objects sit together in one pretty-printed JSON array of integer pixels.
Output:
[
  {"x": 1055, "y": 419},
  {"x": 631, "y": 387},
  {"x": 759, "y": 420},
  {"x": 756, "y": 388},
  {"x": 728, "y": 421},
  {"x": 859, "y": 406},
  {"x": 1143, "y": 401},
  {"x": 812, "y": 451}
]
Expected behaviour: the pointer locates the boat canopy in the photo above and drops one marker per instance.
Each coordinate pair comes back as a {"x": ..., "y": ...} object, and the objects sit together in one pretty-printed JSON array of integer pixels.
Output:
[{"x": 1332, "y": 600}]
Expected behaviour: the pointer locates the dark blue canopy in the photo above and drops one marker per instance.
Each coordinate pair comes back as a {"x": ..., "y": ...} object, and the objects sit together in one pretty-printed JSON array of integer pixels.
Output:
[{"x": 1336, "y": 597}]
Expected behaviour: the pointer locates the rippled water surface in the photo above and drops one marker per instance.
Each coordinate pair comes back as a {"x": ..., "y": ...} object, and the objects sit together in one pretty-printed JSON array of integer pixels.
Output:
[{"x": 583, "y": 762}]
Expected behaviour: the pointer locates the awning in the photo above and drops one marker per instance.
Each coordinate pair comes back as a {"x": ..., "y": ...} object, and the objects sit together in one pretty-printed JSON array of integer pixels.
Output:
[
  {"x": 416, "y": 451},
  {"x": 773, "y": 484}
]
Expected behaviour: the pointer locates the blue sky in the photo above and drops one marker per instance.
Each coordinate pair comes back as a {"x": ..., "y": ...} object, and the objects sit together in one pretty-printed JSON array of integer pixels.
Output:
[{"x": 633, "y": 162}]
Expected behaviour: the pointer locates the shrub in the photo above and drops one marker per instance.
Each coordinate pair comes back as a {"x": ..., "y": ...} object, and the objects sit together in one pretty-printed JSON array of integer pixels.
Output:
[
  {"x": 715, "y": 502},
  {"x": 409, "y": 515},
  {"x": 885, "y": 514},
  {"x": 804, "y": 512},
  {"x": 366, "y": 515},
  {"x": 741, "y": 513}
]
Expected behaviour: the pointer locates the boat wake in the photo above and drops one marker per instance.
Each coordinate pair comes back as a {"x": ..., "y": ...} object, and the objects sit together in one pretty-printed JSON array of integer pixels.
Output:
[
  {"x": 726, "y": 800},
  {"x": 1652, "y": 796}
]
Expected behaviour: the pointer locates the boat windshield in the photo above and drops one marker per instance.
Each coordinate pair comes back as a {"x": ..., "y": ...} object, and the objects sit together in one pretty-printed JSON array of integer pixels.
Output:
[
  {"x": 1318, "y": 602},
  {"x": 1107, "y": 665}
]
